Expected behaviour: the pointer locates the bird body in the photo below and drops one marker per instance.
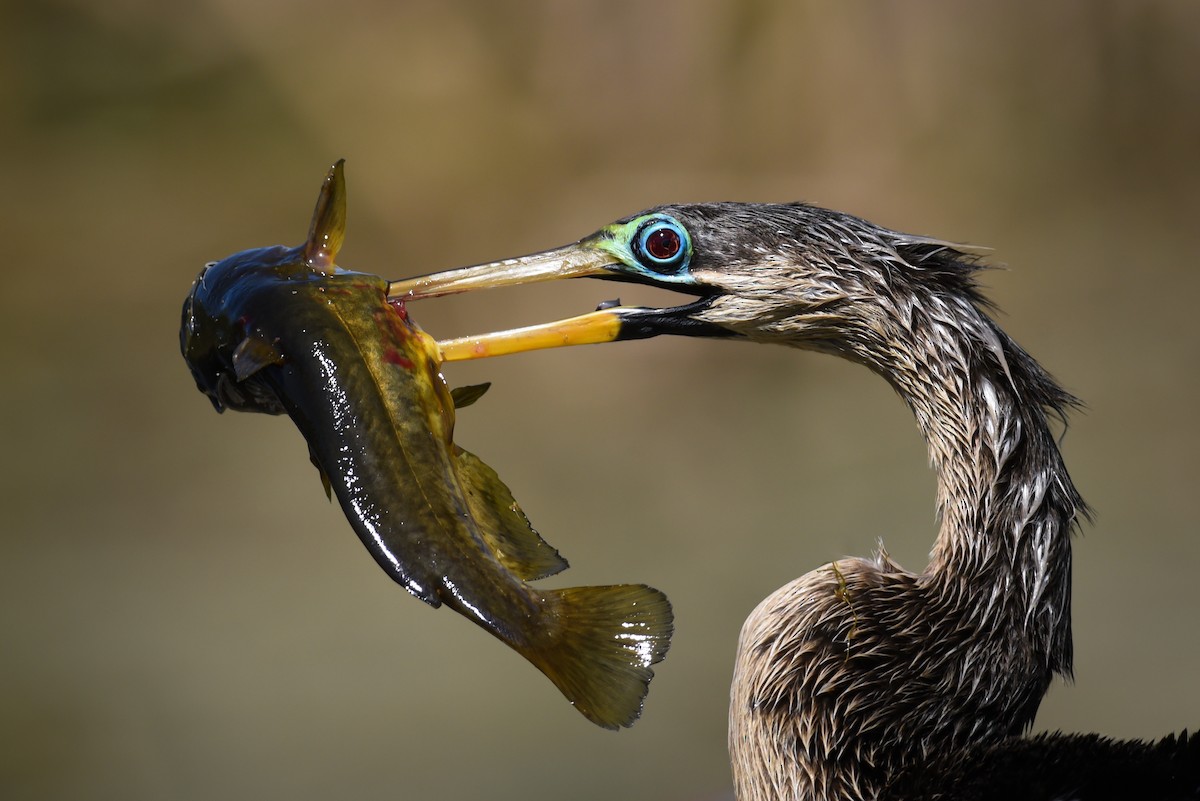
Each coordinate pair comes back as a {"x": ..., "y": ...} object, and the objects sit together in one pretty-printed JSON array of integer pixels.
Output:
[{"x": 1056, "y": 767}]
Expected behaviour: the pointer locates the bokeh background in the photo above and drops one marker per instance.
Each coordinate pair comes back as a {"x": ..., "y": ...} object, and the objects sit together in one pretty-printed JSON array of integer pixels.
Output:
[{"x": 184, "y": 615}]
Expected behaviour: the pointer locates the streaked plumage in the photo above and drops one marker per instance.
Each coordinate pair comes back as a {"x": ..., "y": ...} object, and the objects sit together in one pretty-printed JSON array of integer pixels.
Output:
[{"x": 860, "y": 667}]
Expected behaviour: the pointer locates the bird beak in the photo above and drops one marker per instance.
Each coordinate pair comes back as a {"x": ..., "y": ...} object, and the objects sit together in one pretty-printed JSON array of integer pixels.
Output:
[
  {"x": 588, "y": 258},
  {"x": 573, "y": 261}
]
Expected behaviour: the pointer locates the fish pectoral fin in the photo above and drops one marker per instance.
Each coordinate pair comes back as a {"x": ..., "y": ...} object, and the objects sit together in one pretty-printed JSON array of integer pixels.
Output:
[
  {"x": 325, "y": 482},
  {"x": 465, "y": 396},
  {"x": 253, "y": 354},
  {"x": 504, "y": 527}
]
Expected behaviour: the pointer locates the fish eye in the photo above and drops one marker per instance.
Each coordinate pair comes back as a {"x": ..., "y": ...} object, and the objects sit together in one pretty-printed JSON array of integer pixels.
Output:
[{"x": 662, "y": 245}]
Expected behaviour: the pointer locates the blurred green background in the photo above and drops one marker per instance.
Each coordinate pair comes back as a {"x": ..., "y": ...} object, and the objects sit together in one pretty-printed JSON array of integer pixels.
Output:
[{"x": 185, "y": 617}]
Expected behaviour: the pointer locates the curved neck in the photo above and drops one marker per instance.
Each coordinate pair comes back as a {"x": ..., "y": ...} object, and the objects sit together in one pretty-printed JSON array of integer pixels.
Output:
[
  {"x": 1005, "y": 502},
  {"x": 858, "y": 669}
]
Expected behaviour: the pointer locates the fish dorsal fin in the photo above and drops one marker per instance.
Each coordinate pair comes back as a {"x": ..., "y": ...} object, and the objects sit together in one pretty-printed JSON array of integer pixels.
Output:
[
  {"x": 465, "y": 396},
  {"x": 328, "y": 228},
  {"x": 504, "y": 527},
  {"x": 253, "y": 354}
]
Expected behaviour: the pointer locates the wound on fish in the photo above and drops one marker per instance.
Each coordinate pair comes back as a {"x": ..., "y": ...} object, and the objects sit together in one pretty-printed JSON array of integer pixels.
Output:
[{"x": 393, "y": 356}]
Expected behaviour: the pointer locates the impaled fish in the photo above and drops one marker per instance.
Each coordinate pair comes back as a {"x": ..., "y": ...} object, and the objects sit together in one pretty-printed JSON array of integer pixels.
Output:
[{"x": 284, "y": 330}]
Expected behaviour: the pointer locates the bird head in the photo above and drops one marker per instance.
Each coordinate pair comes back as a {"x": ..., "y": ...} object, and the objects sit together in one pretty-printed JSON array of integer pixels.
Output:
[{"x": 789, "y": 273}]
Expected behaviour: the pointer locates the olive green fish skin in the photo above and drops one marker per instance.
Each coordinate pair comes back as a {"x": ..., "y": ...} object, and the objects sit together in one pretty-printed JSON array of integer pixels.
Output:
[
  {"x": 285, "y": 331},
  {"x": 266, "y": 331},
  {"x": 361, "y": 382}
]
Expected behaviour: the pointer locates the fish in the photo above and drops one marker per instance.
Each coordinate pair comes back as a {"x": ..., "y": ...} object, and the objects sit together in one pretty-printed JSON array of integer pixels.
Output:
[{"x": 284, "y": 330}]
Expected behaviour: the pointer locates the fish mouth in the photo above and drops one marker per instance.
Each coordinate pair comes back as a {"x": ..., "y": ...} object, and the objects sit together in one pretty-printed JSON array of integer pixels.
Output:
[{"x": 610, "y": 322}]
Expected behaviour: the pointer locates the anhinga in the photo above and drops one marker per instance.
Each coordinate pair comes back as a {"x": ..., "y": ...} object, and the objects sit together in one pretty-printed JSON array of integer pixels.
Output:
[{"x": 860, "y": 675}]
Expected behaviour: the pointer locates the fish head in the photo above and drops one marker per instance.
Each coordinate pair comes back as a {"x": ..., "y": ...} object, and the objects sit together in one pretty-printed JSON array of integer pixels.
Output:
[
  {"x": 218, "y": 336},
  {"x": 219, "y": 347}
]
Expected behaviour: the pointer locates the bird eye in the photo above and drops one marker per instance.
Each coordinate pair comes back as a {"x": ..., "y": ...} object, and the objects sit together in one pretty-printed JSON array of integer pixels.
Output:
[{"x": 661, "y": 245}]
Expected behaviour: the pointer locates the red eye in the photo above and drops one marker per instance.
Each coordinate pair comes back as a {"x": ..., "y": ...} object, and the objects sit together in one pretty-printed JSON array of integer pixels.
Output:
[{"x": 662, "y": 244}]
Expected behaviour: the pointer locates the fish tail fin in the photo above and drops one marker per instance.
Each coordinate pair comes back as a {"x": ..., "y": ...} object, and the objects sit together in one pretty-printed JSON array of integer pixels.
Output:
[{"x": 598, "y": 645}]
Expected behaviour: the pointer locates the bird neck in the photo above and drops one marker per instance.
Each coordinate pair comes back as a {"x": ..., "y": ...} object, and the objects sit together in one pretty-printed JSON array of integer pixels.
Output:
[{"x": 1005, "y": 502}]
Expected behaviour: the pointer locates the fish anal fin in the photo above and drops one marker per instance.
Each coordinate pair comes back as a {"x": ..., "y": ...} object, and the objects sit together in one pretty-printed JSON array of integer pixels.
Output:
[
  {"x": 504, "y": 527},
  {"x": 253, "y": 354},
  {"x": 601, "y": 647}
]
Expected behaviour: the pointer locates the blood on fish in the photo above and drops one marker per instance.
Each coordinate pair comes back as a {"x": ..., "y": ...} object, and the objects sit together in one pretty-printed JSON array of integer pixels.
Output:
[{"x": 393, "y": 356}]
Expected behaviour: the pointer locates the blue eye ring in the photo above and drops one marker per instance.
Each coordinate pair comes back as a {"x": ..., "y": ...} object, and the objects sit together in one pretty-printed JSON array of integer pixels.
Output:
[{"x": 662, "y": 245}]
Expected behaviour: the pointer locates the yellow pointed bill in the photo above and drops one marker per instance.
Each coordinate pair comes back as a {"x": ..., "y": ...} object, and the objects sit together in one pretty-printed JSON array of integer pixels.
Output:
[
  {"x": 592, "y": 328},
  {"x": 595, "y": 257},
  {"x": 573, "y": 261}
]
